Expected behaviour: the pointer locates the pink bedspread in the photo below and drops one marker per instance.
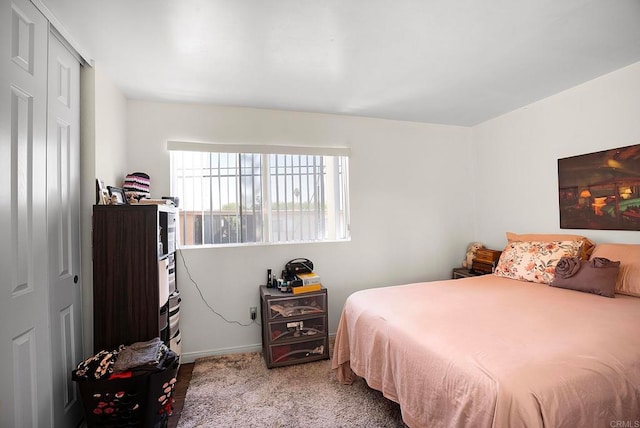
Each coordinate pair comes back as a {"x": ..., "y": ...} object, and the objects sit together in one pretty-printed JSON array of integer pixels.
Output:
[{"x": 495, "y": 352}]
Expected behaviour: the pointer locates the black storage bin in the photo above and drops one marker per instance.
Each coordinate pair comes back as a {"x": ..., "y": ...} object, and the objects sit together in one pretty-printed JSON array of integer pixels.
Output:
[{"x": 144, "y": 400}]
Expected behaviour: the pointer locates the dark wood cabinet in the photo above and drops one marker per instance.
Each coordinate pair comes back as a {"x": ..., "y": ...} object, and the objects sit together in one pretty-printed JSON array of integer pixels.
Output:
[{"x": 133, "y": 274}]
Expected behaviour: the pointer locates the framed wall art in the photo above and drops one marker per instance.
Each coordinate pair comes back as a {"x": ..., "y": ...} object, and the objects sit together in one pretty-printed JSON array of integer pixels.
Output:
[{"x": 600, "y": 190}]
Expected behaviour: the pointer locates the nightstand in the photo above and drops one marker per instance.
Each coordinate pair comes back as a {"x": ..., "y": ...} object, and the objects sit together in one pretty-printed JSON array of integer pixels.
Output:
[
  {"x": 464, "y": 273},
  {"x": 294, "y": 326}
]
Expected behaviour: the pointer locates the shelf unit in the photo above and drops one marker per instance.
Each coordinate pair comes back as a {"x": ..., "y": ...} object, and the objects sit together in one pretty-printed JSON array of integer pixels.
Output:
[
  {"x": 135, "y": 297},
  {"x": 294, "y": 327}
]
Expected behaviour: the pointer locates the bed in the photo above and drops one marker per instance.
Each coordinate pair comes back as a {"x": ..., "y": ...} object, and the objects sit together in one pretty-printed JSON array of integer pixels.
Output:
[{"x": 494, "y": 351}]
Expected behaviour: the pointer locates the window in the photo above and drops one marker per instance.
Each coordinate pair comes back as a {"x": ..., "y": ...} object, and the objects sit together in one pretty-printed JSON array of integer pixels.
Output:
[{"x": 232, "y": 194}]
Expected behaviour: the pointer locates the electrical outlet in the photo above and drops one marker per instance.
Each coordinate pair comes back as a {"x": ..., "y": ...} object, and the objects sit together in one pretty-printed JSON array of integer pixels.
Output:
[{"x": 253, "y": 312}]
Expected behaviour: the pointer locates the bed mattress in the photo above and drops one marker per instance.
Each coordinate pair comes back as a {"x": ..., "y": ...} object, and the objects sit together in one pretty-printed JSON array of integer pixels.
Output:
[{"x": 495, "y": 352}]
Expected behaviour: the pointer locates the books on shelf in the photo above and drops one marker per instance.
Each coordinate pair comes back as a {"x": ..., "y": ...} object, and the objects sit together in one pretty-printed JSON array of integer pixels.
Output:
[
  {"x": 306, "y": 288},
  {"x": 309, "y": 278}
]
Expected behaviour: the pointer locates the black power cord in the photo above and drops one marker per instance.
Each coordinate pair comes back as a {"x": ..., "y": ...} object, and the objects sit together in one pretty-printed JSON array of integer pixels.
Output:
[{"x": 186, "y": 268}]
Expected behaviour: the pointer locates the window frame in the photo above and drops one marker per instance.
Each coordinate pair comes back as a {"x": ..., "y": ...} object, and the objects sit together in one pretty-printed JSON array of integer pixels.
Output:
[{"x": 335, "y": 175}]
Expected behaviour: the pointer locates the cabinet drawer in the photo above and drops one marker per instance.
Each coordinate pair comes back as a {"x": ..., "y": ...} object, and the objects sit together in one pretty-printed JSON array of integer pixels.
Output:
[
  {"x": 174, "y": 302},
  {"x": 298, "y": 352},
  {"x": 176, "y": 343},
  {"x": 296, "y": 306},
  {"x": 172, "y": 273},
  {"x": 306, "y": 328},
  {"x": 174, "y": 322},
  {"x": 163, "y": 319},
  {"x": 163, "y": 282}
]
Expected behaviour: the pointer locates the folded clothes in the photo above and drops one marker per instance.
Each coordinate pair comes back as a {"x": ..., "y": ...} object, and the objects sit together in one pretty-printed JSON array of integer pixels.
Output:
[
  {"x": 97, "y": 367},
  {"x": 139, "y": 354},
  {"x": 140, "y": 358},
  {"x": 167, "y": 359}
]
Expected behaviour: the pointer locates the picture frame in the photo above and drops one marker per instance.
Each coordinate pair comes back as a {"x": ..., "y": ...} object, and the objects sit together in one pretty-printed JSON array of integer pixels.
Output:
[
  {"x": 600, "y": 190},
  {"x": 117, "y": 195},
  {"x": 102, "y": 193},
  {"x": 104, "y": 198}
]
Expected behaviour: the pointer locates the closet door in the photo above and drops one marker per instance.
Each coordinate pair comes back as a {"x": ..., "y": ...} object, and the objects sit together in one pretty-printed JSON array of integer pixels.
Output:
[
  {"x": 63, "y": 212},
  {"x": 25, "y": 345}
]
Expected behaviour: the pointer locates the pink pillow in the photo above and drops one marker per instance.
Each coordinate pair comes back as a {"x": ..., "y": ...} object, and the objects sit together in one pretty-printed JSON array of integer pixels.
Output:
[{"x": 628, "y": 281}]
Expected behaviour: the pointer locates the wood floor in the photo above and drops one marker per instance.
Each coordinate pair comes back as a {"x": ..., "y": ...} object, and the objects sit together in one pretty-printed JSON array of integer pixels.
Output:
[{"x": 184, "y": 377}]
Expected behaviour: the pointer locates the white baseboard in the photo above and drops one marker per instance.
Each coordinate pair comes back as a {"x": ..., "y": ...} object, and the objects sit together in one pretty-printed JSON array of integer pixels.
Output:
[{"x": 190, "y": 357}]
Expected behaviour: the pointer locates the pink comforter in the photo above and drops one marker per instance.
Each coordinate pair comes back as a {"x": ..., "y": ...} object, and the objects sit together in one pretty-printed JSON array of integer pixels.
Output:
[{"x": 495, "y": 352}]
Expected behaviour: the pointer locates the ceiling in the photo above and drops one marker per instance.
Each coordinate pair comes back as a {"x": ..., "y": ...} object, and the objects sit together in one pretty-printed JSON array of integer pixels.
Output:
[{"x": 438, "y": 61}]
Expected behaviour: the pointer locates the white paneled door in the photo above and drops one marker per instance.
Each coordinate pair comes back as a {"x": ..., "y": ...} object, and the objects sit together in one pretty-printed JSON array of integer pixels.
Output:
[
  {"x": 34, "y": 359},
  {"x": 63, "y": 205},
  {"x": 25, "y": 347}
]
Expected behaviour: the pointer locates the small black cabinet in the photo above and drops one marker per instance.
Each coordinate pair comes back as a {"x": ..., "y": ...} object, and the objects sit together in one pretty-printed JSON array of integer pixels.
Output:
[
  {"x": 294, "y": 326},
  {"x": 458, "y": 273}
]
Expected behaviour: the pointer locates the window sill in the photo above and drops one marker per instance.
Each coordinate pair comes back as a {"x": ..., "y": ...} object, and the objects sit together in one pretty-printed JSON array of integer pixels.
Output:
[{"x": 260, "y": 244}]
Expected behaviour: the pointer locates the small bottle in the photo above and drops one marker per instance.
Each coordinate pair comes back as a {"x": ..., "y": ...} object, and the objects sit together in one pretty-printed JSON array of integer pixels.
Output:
[{"x": 269, "y": 282}]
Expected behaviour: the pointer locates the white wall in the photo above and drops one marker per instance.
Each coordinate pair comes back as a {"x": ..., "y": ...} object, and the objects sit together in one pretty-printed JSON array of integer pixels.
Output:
[
  {"x": 111, "y": 130},
  {"x": 516, "y": 154},
  {"x": 461, "y": 184},
  {"x": 410, "y": 209},
  {"x": 103, "y": 154}
]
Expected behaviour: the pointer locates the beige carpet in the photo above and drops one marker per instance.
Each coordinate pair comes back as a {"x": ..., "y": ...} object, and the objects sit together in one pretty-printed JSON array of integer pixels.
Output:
[{"x": 239, "y": 391}]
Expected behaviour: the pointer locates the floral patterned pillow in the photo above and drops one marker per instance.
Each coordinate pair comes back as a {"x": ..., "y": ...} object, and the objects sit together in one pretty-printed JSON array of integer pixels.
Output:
[{"x": 534, "y": 261}]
